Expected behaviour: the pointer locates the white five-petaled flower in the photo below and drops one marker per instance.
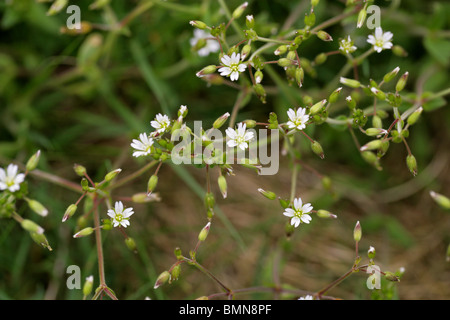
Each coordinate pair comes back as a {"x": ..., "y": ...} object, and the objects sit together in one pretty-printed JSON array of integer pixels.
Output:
[
  {"x": 299, "y": 213},
  {"x": 381, "y": 40},
  {"x": 297, "y": 119},
  {"x": 9, "y": 179},
  {"x": 346, "y": 45},
  {"x": 142, "y": 146},
  {"x": 232, "y": 66},
  {"x": 239, "y": 137},
  {"x": 161, "y": 123},
  {"x": 119, "y": 215},
  {"x": 211, "y": 45}
]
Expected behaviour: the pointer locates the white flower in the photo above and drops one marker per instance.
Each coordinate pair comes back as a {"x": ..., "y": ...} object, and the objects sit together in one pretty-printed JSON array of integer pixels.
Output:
[
  {"x": 232, "y": 66},
  {"x": 239, "y": 137},
  {"x": 119, "y": 215},
  {"x": 307, "y": 297},
  {"x": 381, "y": 40},
  {"x": 300, "y": 212},
  {"x": 346, "y": 45},
  {"x": 161, "y": 123},
  {"x": 297, "y": 119},
  {"x": 210, "y": 46},
  {"x": 142, "y": 146},
  {"x": 10, "y": 179}
]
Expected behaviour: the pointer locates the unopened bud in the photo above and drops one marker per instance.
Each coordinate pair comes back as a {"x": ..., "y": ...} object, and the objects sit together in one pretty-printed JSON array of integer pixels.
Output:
[
  {"x": 56, "y": 7},
  {"x": 268, "y": 194},
  {"x": 111, "y": 175},
  {"x": 41, "y": 240},
  {"x": 280, "y": 50},
  {"x": 258, "y": 76},
  {"x": 152, "y": 182},
  {"x": 175, "y": 274},
  {"x": 88, "y": 285},
  {"x": 371, "y": 158},
  {"x": 350, "y": 82},
  {"x": 334, "y": 95},
  {"x": 378, "y": 93},
  {"x": 414, "y": 116},
  {"x": 350, "y": 102},
  {"x": 162, "y": 278},
  {"x": 317, "y": 149},
  {"x": 245, "y": 51},
  {"x": 389, "y": 76},
  {"x": 206, "y": 70},
  {"x": 33, "y": 161},
  {"x": 441, "y": 200},
  {"x": 250, "y": 21},
  {"x": 285, "y": 62},
  {"x": 411, "y": 162},
  {"x": 260, "y": 92},
  {"x": 79, "y": 170},
  {"x": 322, "y": 35},
  {"x": 178, "y": 253},
  {"x": 198, "y": 24},
  {"x": 375, "y": 132},
  {"x": 391, "y": 276},
  {"x": 320, "y": 58},
  {"x": 318, "y": 107},
  {"x": 131, "y": 244},
  {"x": 37, "y": 207},
  {"x": 361, "y": 17},
  {"x": 299, "y": 76},
  {"x": 371, "y": 253},
  {"x": 401, "y": 82},
  {"x": 209, "y": 200},
  {"x": 372, "y": 145},
  {"x": 325, "y": 214},
  {"x": 84, "y": 232},
  {"x": 399, "y": 51},
  {"x": 31, "y": 226},
  {"x": 239, "y": 10},
  {"x": 204, "y": 233},
  {"x": 221, "y": 121},
  {"x": 143, "y": 197},
  {"x": 357, "y": 232},
  {"x": 222, "y": 182}
]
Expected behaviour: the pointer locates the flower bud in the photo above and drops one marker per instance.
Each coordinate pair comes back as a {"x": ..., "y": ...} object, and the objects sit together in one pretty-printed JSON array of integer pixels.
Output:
[
  {"x": 391, "y": 276},
  {"x": 357, "y": 232},
  {"x": 178, "y": 253},
  {"x": 79, "y": 170},
  {"x": 285, "y": 62},
  {"x": 350, "y": 102},
  {"x": 322, "y": 35},
  {"x": 41, "y": 240},
  {"x": 175, "y": 274},
  {"x": 314, "y": 3},
  {"x": 325, "y": 214},
  {"x": 152, "y": 182},
  {"x": 389, "y": 76},
  {"x": 412, "y": 164},
  {"x": 131, "y": 244},
  {"x": 162, "y": 278},
  {"x": 441, "y": 200},
  {"x": 198, "y": 24},
  {"x": 268, "y": 194},
  {"x": 250, "y": 21},
  {"x": 299, "y": 76},
  {"x": 33, "y": 161},
  {"x": 206, "y": 70},
  {"x": 350, "y": 82},
  {"x": 56, "y": 7},
  {"x": 371, "y": 253},
  {"x": 84, "y": 232},
  {"x": 204, "y": 233},
  {"x": 414, "y": 116},
  {"x": 318, "y": 107},
  {"x": 222, "y": 182},
  {"x": 239, "y": 10},
  {"x": 258, "y": 76},
  {"x": 399, "y": 51},
  {"x": 284, "y": 203},
  {"x": 260, "y": 92},
  {"x": 317, "y": 149},
  {"x": 378, "y": 93},
  {"x": 143, "y": 197},
  {"x": 37, "y": 207},
  {"x": 326, "y": 182},
  {"x": 310, "y": 20},
  {"x": 371, "y": 158},
  {"x": 209, "y": 200},
  {"x": 372, "y": 145},
  {"x": 88, "y": 285},
  {"x": 221, "y": 120},
  {"x": 245, "y": 51},
  {"x": 361, "y": 17},
  {"x": 31, "y": 226},
  {"x": 375, "y": 132},
  {"x": 320, "y": 58},
  {"x": 280, "y": 50},
  {"x": 401, "y": 82},
  {"x": 334, "y": 95},
  {"x": 111, "y": 175}
]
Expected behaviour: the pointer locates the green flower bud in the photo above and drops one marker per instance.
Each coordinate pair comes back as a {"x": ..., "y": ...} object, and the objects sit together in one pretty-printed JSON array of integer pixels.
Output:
[
  {"x": 131, "y": 244},
  {"x": 37, "y": 207},
  {"x": 175, "y": 274},
  {"x": 79, "y": 170},
  {"x": 357, "y": 232},
  {"x": 317, "y": 149},
  {"x": 399, "y": 51},
  {"x": 314, "y": 3},
  {"x": 284, "y": 203},
  {"x": 372, "y": 145},
  {"x": 285, "y": 62},
  {"x": 152, "y": 182},
  {"x": 318, "y": 107},
  {"x": 391, "y": 276},
  {"x": 221, "y": 121},
  {"x": 239, "y": 10},
  {"x": 350, "y": 103},
  {"x": 56, "y": 7},
  {"x": 401, "y": 82},
  {"x": 209, "y": 200},
  {"x": 84, "y": 232},
  {"x": 33, "y": 161},
  {"x": 260, "y": 92},
  {"x": 204, "y": 233},
  {"x": 299, "y": 76},
  {"x": 198, "y": 24},
  {"x": 106, "y": 224},
  {"x": 143, "y": 197},
  {"x": 250, "y": 21},
  {"x": 371, "y": 253},
  {"x": 377, "y": 122},
  {"x": 88, "y": 285},
  {"x": 320, "y": 58},
  {"x": 414, "y": 116},
  {"x": 361, "y": 17},
  {"x": 350, "y": 82},
  {"x": 334, "y": 95},
  {"x": 41, "y": 240},
  {"x": 412, "y": 164},
  {"x": 326, "y": 182},
  {"x": 280, "y": 50},
  {"x": 245, "y": 51},
  {"x": 441, "y": 200},
  {"x": 325, "y": 214},
  {"x": 111, "y": 175},
  {"x": 375, "y": 132},
  {"x": 310, "y": 20},
  {"x": 371, "y": 158},
  {"x": 206, "y": 70},
  {"x": 378, "y": 93},
  {"x": 222, "y": 182},
  {"x": 322, "y": 35},
  {"x": 389, "y": 76},
  {"x": 268, "y": 194},
  {"x": 31, "y": 226},
  {"x": 178, "y": 253},
  {"x": 162, "y": 278}
]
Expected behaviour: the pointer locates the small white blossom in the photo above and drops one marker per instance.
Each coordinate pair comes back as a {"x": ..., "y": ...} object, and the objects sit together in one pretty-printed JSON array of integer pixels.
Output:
[
  {"x": 297, "y": 119},
  {"x": 307, "y": 297},
  {"x": 346, "y": 45},
  {"x": 300, "y": 212},
  {"x": 239, "y": 137},
  {"x": 161, "y": 123},
  {"x": 210, "y": 46},
  {"x": 9, "y": 179},
  {"x": 119, "y": 215},
  {"x": 381, "y": 40},
  {"x": 142, "y": 146},
  {"x": 232, "y": 66}
]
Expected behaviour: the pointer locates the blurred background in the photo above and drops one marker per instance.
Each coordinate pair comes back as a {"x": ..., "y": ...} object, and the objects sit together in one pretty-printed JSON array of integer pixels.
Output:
[{"x": 83, "y": 98}]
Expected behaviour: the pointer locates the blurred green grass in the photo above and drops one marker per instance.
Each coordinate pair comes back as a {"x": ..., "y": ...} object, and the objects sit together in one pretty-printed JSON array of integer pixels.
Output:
[{"x": 83, "y": 108}]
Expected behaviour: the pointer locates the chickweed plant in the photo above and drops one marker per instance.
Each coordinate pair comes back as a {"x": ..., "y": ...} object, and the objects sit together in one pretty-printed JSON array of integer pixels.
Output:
[{"x": 254, "y": 61}]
